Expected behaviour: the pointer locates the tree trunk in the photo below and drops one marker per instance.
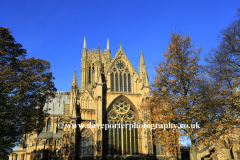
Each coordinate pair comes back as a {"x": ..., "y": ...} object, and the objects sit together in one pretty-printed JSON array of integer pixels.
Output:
[
  {"x": 229, "y": 157},
  {"x": 4, "y": 154},
  {"x": 193, "y": 152}
]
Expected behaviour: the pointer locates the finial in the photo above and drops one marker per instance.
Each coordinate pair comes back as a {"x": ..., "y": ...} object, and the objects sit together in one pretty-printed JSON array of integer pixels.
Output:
[
  {"x": 84, "y": 43},
  {"x": 141, "y": 51},
  {"x": 98, "y": 47},
  {"x": 120, "y": 46}
]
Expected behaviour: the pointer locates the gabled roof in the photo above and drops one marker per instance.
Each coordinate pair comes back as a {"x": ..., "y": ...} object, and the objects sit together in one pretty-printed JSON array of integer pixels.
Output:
[
  {"x": 86, "y": 91},
  {"x": 50, "y": 135},
  {"x": 121, "y": 54}
]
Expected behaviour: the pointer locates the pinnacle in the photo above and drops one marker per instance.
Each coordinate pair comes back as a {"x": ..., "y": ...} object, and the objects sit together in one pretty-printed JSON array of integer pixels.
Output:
[
  {"x": 84, "y": 43},
  {"x": 108, "y": 47},
  {"x": 74, "y": 82},
  {"x": 141, "y": 58}
]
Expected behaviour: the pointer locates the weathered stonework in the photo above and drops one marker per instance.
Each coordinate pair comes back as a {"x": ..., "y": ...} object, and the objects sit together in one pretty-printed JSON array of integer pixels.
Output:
[
  {"x": 111, "y": 93},
  {"x": 221, "y": 151}
]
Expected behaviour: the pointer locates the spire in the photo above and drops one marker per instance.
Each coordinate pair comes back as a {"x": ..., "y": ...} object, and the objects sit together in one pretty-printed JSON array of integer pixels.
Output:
[
  {"x": 143, "y": 71},
  {"x": 141, "y": 58},
  {"x": 74, "y": 82},
  {"x": 108, "y": 47},
  {"x": 84, "y": 43}
]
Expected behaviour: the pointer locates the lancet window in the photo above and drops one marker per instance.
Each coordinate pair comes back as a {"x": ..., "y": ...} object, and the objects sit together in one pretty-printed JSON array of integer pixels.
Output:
[
  {"x": 159, "y": 150},
  {"x": 112, "y": 80},
  {"x": 44, "y": 126},
  {"x": 90, "y": 72},
  {"x": 122, "y": 140},
  {"x": 102, "y": 68},
  {"x": 49, "y": 125},
  {"x": 120, "y": 78},
  {"x": 85, "y": 143}
]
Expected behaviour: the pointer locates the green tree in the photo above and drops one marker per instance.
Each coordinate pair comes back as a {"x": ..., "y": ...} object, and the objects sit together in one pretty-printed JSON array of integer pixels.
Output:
[
  {"x": 182, "y": 94},
  {"x": 25, "y": 84}
]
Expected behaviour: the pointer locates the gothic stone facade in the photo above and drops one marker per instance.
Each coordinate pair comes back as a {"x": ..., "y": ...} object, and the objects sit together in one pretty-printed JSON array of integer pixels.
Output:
[
  {"x": 111, "y": 93},
  {"x": 221, "y": 151}
]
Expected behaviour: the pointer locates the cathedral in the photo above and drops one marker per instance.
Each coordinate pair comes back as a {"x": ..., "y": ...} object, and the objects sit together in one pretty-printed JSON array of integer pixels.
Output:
[{"x": 111, "y": 92}]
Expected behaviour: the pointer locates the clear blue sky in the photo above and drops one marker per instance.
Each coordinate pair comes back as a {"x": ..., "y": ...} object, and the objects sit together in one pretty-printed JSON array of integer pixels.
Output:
[{"x": 53, "y": 30}]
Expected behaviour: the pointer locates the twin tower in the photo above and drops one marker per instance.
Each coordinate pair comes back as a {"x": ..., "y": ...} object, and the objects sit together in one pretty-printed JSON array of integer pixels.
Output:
[{"x": 112, "y": 91}]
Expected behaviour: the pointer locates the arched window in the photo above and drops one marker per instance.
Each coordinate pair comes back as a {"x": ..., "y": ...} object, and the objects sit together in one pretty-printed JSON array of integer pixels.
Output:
[
  {"x": 121, "y": 85},
  {"x": 149, "y": 137},
  {"x": 120, "y": 79},
  {"x": 122, "y": 141},
  {"x": 129, "y": 82},
  {"x": 102, "y": 68},
  {"x": 49, "y": 125},
  {"x": 44, "y": 124},
  {"x": 112, "y": 82},
  {"x": 90, "y": 72},
  {"x": 116, "y": 81},
  {"x": 125, "y": 82},
  {"x": 122, "y": 75},
  {"x": 60, "y": 125},
  {"x": 159, "y": 149},
  {"x": 85, "y": 143}
]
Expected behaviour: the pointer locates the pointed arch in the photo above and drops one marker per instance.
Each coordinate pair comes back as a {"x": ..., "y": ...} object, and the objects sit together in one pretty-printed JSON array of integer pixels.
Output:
[
  {"x": 120, "y": 55},
  {"x": 122, "y": 141},
  {"x": 116, "y": 82},
  {"x": 129, "y": 83},
  {"x": 128, "y": 101},
  {"x": 125, "y": 82},
  {"x": 121, "y": 76},
  {"x": 112, "y": 82},
  {"x": 85, "y": 142}
]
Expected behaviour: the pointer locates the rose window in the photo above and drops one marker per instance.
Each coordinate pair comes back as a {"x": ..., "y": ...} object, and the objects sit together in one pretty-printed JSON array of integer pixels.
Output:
[{"x": 121, "y": 107}]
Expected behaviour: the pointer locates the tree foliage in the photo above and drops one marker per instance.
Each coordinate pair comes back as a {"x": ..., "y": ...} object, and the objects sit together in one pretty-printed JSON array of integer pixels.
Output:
[
  {"x": 224, "y": 67},
  {"x": 224, "y": 63},
  {"x": 25, "y": 84},
  {"x": 183, "y": 94}
]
